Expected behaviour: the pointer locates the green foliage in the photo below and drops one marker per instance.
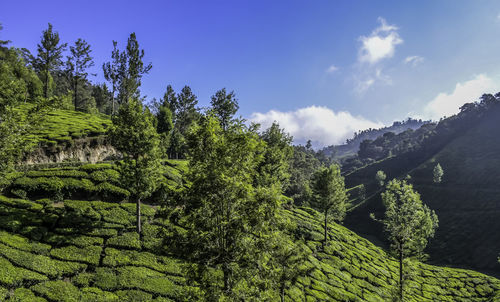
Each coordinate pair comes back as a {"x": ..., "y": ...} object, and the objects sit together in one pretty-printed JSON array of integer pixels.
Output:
[
  {"x": 89, "y": 254},
  {"x": 330, "y": 195},
  {"x": 224, "y": 206},
  {"x": 77, "y": 64},
  {"x": 128, "y": 240},
  {"x": 408, "y": 222},
  {"x": 437, "y": 173},
  {"x": 39, "y": 263},
  {"x": 49, "y": 56},
  {"x": 224, "y": 106},
  {"x": 277, "y": 155},
  {"x": 380, "y": 177}
]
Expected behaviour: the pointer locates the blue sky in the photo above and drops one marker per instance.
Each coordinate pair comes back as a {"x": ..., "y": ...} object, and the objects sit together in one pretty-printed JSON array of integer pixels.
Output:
[{"x": 323, "y": 69}]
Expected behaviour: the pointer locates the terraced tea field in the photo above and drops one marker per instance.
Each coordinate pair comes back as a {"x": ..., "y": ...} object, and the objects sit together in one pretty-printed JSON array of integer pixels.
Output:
[{"x": 71, "y": 237}]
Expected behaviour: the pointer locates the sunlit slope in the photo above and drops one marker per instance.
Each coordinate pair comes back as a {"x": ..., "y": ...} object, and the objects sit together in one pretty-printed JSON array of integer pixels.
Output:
[
  {"x": 85, "y": 249},
  {"x": 59, "y": 126},
  {"x": 467, "y": 201}
]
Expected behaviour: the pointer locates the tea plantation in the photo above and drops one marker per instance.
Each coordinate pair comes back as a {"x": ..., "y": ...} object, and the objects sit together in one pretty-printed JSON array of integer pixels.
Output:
[
  {"x": 67, "y": 234},
  {"x": 59, "y": 126}
]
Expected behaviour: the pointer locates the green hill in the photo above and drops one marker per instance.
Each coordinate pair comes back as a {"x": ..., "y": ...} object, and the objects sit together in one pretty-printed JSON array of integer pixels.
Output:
[
  {"x": 467, "y": 201},
  {"x": 63, "y": 243}
]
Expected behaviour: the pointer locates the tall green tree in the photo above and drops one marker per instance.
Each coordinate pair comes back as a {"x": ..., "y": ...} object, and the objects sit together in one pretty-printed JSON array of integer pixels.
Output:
[
  {"x": 132, "y": 70},
  {"x": 184, "y": 113},
  {"x": 329, "y": 195},
  {"x": 228, "y": 216},
  {"x": 49, "y": 56},
  {"x": 225, "y": 105},
  {"x": 437, "y": 173},
  {"x": 77, "y": 64},
  {"x": 112, "y": 71},
  {"x": 164, "y": 118},
  {"x": 17, "y": 85},
  {"x": 134, "y": 135},
  {"x": 275, "y": 167},
  {"x": 408, "y": 223}
]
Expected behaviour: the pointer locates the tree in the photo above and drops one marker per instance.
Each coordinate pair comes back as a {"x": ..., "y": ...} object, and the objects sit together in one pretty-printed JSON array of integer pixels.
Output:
[
  {"x": 17, "y": 84},
  {"x": 184, "y": 115},
  {"x": 380, "y": 177},
  {"x": 131, "y": 70},
  {"x": 185, "y": 112},
  {"x": 437, "y": 173},
  {"x": 288, "y": 259},
  {"x": 134, "y": 135},
  {"x": 49, "y": 57},
  {"x": 224, "y": 106},
  {"x": 407, "y": 221},
  {"x": 228, "y": 217},
  {"x": 165, "y": 120},
  {"x": 330, "y": 195},
  {"x": 77, "y": 65},
  {"x": 112, "y": 71},
  {"x": 275, "y": 167}
]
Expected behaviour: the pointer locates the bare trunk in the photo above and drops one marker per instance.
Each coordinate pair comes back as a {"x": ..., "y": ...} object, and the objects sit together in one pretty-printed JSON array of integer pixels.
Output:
[
  {"x": 283, "y": 293},
  {"x": 76, "y": 92},
  {"x": 46, "y": 87},
  {"x": 138, "y": 212},
  {"x": 401, "y": 275},
  {"x": 326, "y": 228}
]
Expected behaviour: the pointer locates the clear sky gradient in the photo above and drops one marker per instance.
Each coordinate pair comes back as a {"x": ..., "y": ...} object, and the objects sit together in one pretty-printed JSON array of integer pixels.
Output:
[{"x": 323, "y": 69}]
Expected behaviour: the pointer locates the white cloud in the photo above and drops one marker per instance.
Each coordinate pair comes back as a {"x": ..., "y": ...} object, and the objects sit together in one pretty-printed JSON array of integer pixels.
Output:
[
  {"x": 319, "y": 124},
  {"x": 380, "y": 44},
  {"x": 414, "y": 60},
  {"x": 447, "y": 104},
  {"x": 332, "y": 69}
]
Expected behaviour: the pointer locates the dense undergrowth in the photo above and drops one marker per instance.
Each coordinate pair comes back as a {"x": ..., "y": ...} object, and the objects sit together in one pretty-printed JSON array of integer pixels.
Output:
[{"x": 86, "y": 249}]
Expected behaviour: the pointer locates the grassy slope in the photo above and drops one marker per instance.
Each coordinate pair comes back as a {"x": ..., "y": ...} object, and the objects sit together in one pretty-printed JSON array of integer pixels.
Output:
[
  {"x": 467, "y": 201},
  {"x": 86, "y": 250}
]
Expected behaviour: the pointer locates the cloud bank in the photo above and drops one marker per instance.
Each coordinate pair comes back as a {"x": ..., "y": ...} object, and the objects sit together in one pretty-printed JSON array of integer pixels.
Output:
[
  {"x": 447, "y": 104},
  {"x": 321, "y": 125}
]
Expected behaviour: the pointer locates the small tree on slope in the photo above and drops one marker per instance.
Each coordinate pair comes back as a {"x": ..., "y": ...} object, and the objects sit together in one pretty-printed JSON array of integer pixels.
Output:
[
  {"x": 330, "y": 195},
  {"x": 134, "y": 135},
  {"x": 408, "y": 223}
]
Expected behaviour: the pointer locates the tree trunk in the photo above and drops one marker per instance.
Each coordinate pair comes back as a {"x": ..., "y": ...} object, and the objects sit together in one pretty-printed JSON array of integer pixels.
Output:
[
  {"x": 401, "y": 275},
  {"x": 46, "y": 87},
  {"x": 138, "y": 213},
  {"x": 283, "y": 293},
  {"x": 76, "y": 92},
  {"x": 113, "y": 101},
  {"x": 225, "y": 271},
  {"x": 326, "y": 228}
]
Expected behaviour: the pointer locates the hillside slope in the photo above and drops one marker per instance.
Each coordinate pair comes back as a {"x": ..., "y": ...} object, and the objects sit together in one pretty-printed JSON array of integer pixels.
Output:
[
  {"x": 467, "y": 201},
  {"x": 63, "y": 243}
]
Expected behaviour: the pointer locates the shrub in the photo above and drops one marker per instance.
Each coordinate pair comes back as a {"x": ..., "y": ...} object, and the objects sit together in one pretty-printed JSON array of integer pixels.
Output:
[
  {"x": 93, "y": 294},
  {"x": 12, "y": 276},
  {"x": 116, "y": 258},
  {"x": 24, "y": 295},
  {"x": 89, "y": 254},
  {"x": 128, "y": 240},
  {"x": 110, "y": 192},
  {"x": 103, "y": 175},
  {"x": 39, "y": 263},
  {"x": 134, "y": 295},
  {"x": 57, "y": 173},
  {"x": 94, "y": 167},
  {"x": 23, "y": 243},
  {"x": 58, "y": 291}
]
